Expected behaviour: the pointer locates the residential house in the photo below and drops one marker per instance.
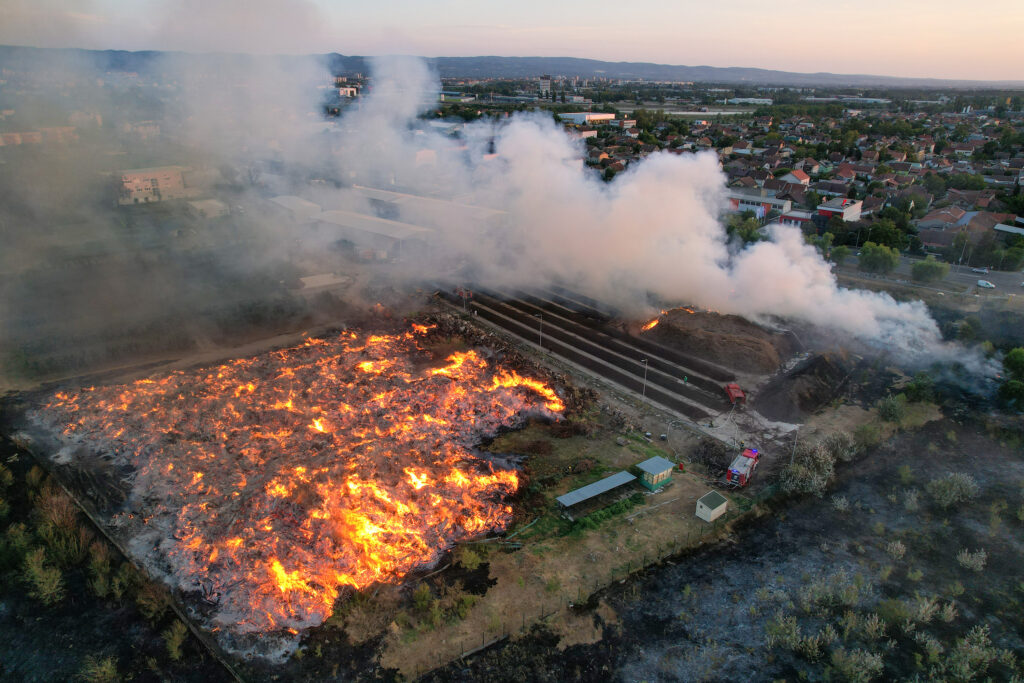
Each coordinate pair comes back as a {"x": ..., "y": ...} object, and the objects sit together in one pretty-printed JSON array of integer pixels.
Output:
[
  {"x": 848, "y": 210},
  {"x": 941, "y": 219},
  {"x": 797, "y": 176}
]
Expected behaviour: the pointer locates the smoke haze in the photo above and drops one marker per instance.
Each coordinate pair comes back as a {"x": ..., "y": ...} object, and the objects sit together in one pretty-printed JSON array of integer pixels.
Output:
[{"x": 509, "y": 202}]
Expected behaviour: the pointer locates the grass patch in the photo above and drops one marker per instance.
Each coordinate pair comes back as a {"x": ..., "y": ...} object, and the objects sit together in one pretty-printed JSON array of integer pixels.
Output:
[{"x": 594, "y": 519}]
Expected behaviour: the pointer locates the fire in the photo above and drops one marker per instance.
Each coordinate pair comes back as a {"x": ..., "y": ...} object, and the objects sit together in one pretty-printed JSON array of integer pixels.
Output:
[
  {"x": 651, "y": 325},
  {"x": 282, "y": 477}
]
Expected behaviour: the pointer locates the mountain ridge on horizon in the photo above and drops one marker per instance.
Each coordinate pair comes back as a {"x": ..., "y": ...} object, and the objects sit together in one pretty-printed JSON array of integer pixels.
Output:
[{"x": 527, "y": 67}]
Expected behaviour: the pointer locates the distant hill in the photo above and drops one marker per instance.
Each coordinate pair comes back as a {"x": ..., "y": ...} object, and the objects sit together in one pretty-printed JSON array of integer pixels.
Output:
[
  {"x": 506, "y": 67},
  {"x": 521, "y": 67}
]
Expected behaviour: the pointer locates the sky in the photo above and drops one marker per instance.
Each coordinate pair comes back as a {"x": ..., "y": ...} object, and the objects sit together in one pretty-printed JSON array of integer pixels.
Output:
[{"x": 913, "y": 38}]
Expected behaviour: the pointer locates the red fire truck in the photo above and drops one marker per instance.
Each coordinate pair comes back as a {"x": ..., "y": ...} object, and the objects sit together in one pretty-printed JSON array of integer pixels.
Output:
[
  {"x": 742, "y": 468},
  {"x": 735, "y": 394}
]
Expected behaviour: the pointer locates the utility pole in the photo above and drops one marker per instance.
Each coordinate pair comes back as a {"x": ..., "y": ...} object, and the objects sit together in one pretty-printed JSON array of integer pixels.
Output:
[
  {"x": 540, "y": 329},
  {"x": 644, "y": 361}
]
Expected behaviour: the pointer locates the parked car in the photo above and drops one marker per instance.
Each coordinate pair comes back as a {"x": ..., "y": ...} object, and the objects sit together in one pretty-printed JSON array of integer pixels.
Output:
[
  {"x": 983, "y": 271},
  {"x": 985, "y": 284}
]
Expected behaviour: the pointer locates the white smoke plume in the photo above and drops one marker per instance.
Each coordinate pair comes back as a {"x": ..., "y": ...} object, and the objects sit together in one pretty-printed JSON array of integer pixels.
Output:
[{"x": 656, "y": 228}]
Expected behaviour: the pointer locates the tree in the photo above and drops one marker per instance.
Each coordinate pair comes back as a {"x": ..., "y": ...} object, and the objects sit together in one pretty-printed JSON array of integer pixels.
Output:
[
  {"x": 966, "y": 181},
  {"x": 1011, "y": 393},
  {"x": 887, "y": 233},
  {"x": 878, "y": 258},
  {"x": 813, "y": 199},
  {"x": 823, "y": 243},
  {"x": 839, "y": 254},
  {"x": 745, "y": 227},
  {"x": 929, "y": 270},
  {"x": 1013, "y": 363}
]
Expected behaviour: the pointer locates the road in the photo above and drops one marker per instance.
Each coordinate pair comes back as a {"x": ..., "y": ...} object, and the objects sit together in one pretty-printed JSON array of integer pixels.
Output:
[{"x": 1006, "y": 282}]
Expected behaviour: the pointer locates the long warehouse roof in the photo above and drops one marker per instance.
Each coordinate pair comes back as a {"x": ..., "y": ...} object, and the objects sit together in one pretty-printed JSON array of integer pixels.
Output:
[
  {"x": 595, "y": 489},
  {"x": 372, "y": 224}
]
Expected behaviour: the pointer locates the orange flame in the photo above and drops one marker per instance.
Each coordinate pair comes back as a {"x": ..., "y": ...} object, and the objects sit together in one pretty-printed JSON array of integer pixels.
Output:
[
  {"x": 651, "y": 325},
  {"x": 342, "y": 461}
]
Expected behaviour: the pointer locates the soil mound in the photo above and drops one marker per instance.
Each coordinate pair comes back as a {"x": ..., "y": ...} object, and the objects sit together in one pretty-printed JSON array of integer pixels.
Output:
[
  {"x": 727, "y": 340},
  {"x": 804, "y": 389}
]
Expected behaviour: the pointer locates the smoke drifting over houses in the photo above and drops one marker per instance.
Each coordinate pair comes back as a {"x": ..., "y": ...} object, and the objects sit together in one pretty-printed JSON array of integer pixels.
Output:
[
  {"x": 655, "y": 229},
  {"x": 505, "y": 203}
]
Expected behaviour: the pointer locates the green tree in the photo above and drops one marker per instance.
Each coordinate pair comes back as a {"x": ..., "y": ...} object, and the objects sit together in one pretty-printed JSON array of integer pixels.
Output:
[
  {"x": 839, "y": 254},
  {"x": 1013, "y": 363},
  {"x": 935, "y": 185},
  {"x": 1011, "y": 393},
  {"x": 878, "y": 258},
  {"x": 929, "y": 270},
  {"x": 745, "y": 227},
  {"x": 966, "y": 181},
  {"x": 887, "y": 233}
]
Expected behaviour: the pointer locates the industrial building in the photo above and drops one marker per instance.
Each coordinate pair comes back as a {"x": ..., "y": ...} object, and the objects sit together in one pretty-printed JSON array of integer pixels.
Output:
[
  {"x": 373, "y": 237},
  {"x": 587, "y": 117}
]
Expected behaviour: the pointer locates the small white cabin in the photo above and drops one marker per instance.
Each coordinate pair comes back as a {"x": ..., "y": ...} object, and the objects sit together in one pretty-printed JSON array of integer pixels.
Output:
[{"x": 711, "y": 506}]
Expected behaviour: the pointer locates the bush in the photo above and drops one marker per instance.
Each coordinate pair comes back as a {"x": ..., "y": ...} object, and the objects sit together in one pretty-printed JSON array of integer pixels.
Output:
[
  {"x": 970, "y": 658},
  {"x": 841, "y": 446},
  {"x": 974, "y": 561},
  {"x": 921, "y": 388},
  {"x": 174, "y": 638},
  {"x": 867, "y": 436},
  {"x": 468, "y": 558},
  {"x": 929, "y": 270},
  {"x": 856, "y": 666},
  {"x": 46, "y": 583},
  {"x": 96, "y": 670},
  {"x": 810, "y": 471},
  {"x": 422, "y": 598},
  {"x": 896, "y": 550},
  {"x": 840, "y": 503},
  {"x": 57, "y": 524},
  {"x": 954, "y": 488},
  {"x": 152, "y": 600},
  {"x": 893, "y": 408}
]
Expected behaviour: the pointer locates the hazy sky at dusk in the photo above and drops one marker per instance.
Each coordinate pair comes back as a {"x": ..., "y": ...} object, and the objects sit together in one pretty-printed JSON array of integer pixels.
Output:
[{"x": 936, "y": 38}]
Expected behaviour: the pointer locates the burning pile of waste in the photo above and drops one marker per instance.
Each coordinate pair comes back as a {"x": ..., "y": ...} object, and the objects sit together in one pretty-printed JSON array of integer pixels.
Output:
[{"x": 264, "y": 485}]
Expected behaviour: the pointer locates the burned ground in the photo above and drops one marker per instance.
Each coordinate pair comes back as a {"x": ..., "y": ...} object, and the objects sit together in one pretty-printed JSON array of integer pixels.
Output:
[
  {"x": 706, "y": 616},
  {"x": 805, "y": 389}
]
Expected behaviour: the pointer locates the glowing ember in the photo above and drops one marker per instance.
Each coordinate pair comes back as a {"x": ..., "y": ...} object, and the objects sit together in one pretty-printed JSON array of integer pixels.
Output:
[{"x": 274, "y": 480}]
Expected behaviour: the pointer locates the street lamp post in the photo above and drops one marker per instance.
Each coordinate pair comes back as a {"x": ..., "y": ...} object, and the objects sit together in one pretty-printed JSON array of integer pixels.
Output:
[
  {"x": 540, "y": 329},
  {"x": 644, "y": 361}
]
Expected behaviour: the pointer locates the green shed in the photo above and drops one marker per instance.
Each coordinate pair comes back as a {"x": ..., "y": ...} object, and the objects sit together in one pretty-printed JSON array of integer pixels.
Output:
[{"x": 655, "y": 472}]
